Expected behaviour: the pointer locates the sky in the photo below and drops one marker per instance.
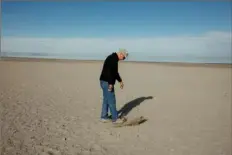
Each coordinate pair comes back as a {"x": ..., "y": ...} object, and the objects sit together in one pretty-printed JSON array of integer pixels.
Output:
[{"x": 148, "y": 30}]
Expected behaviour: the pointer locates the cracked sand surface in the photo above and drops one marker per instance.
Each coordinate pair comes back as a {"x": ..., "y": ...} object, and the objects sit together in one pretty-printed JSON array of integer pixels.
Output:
[{"x": 52, "y": 108}]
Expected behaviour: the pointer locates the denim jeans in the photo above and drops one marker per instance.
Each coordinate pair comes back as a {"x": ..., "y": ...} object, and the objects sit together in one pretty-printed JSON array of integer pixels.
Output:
[{"x": 109, "y": 102}]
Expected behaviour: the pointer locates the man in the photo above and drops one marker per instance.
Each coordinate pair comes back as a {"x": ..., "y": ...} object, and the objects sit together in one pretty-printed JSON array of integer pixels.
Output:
[{"x": 108, "y": 77}]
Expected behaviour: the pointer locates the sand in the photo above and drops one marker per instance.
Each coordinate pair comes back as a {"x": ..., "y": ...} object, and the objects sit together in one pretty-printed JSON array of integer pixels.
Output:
[{"x": 53, "y": 108}]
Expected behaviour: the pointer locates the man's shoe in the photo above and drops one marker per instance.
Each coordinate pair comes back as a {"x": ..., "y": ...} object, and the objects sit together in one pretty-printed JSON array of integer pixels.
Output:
[
  {"x": 119, "y": 121},
  {"x": 105, "y": 120}
]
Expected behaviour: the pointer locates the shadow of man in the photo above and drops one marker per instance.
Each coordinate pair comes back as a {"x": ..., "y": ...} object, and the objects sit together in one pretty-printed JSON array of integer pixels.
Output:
[{"x": 132, "y": 104}]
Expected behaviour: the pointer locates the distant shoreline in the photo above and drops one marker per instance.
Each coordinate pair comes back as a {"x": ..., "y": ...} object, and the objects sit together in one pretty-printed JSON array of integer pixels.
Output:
[{"x": 25, "y": 59}]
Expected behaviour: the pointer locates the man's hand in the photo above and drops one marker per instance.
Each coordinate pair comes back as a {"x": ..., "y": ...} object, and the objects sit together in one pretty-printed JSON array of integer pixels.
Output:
[
  {"x": 110, "y": 87},
  {"x": 121, "y": 85}
]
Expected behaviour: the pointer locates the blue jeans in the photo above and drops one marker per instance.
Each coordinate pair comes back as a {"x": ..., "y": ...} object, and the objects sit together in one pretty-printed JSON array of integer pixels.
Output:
[{"x": 109, "y": 102}]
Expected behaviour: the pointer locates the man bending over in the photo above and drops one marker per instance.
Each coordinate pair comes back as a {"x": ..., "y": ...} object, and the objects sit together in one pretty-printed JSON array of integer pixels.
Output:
[{"x": 108, "y": 77}]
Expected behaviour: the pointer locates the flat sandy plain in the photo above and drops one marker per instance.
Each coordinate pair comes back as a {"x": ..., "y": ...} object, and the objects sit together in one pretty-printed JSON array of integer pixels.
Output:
[{"x": 52, "y": 107}]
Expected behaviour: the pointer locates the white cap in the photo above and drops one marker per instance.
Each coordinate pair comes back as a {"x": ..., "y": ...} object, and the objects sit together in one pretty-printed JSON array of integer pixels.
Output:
[{"x": 124, "y": 52}]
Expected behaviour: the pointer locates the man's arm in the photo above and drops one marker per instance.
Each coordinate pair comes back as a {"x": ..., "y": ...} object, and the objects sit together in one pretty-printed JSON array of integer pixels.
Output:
[
  {"x": 110, "y": 67},
  {"x": 118, "y": 77},
  {"x": 111, "y": 79}
]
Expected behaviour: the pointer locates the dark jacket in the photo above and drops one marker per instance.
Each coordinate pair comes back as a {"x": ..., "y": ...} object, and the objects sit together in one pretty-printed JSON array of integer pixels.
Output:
[{"x": 110, "y": 69}]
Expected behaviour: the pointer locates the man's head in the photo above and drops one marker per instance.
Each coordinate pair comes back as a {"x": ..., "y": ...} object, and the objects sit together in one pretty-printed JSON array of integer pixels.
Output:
[{"x": 122, "y": 54}]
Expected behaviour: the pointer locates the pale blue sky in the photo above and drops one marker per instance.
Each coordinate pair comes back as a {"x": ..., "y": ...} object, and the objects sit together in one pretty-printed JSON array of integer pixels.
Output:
[{"x": 152, "y": 28}]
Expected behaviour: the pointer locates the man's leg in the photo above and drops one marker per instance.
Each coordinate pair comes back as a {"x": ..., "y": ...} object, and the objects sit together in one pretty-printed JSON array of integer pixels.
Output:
[
  {"x": 112, "y": 104},
  {"x": 105, "y": 106}
]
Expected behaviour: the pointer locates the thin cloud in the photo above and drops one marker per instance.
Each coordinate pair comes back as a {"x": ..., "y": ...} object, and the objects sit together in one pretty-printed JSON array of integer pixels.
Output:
[{"x": 212, "y": 44}]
